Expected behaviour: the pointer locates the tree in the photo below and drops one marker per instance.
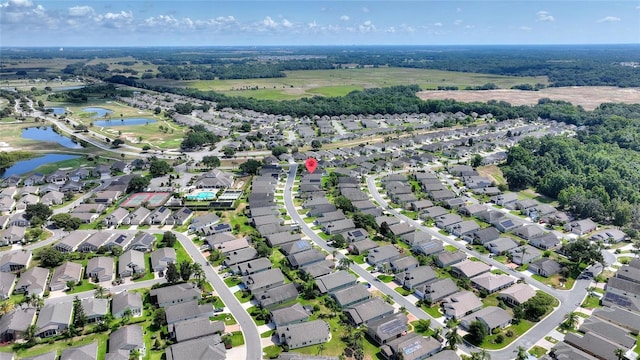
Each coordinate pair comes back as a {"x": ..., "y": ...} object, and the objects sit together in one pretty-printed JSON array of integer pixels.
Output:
[
  {"x": 138, "y": 183},
  {"x": 159, "y": 318},
  {"x": 343, "y": 204},
  {"x": 521, "y": 353},
  {"x": 338, "y": 241},
  {"x": 477, "y": 332},
  {"x": 571, "y": 320},
  {"x": 100, "y": 292},
  {"x": 79, "y": 317},
  {"x": 423, "y": 325},
  {"x": 279, "y": 150},
  {"x": 453, "y": 339},
  {"x": 171, "y": 274},
  {"x": 127, "y": 315},
  {"x": 250, "y": 167},
  {"x": 158, "y": 168},
  {"x": 582, "y": 251},
  {"x": 316, "y": 144},
  {"x": 169, "y": 238},
  {"x": 211, "y": 161},
  {"x": 344, "y": 263},
  {"x": 6, "y": 306},
  {"x": 50, "y": 257},
  {"x": 186, "y": 270},
  {"x": 37, "y": 212},
  {"x": 538, "y": 306},
  {"x": 365, "y": 221},
  {"x": 30, "y": 333},
  {"x": 146, "y": 148},
  {"x": 476, "y": 160},
  {"x": 480, "y": 355},
  {"x": 117, "y": 142},
  {"x": 229, "y": 151},
  {"x": 66, "y": 221}
]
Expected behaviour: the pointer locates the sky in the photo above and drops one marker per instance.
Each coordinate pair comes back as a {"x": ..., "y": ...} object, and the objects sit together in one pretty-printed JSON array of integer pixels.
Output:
[{"x": 69, "y": 23}]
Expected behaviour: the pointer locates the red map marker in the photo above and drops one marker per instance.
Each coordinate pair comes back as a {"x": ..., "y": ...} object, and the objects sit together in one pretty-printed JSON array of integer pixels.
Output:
[{"x": 311, "y": 165}]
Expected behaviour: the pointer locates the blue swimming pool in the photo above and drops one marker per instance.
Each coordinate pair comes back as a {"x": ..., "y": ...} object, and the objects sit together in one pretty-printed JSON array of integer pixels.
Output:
[{"x": 202, "y": 196}]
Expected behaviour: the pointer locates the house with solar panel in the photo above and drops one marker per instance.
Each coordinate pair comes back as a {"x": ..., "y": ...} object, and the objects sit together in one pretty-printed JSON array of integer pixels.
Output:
[
  {"x": 388, "y": 328},
  {"x": 410, "y": 347}
]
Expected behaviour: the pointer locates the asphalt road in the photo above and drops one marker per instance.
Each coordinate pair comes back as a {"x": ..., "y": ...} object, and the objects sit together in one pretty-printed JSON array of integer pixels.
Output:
[
  {"x": 569, "y": 299},
  {"x": 113, "y": 290},
  {"x": 289, "y": 205}
]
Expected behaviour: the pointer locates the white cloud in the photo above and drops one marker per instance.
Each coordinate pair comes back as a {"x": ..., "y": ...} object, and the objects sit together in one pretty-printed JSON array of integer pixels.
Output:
[
  {"x": 366, "y": 27},
  {"x": 286, "y": 23},
  {"x": 544, "y": 16},
  {"x": 365, "y": 10},
  {"x": 438, "y": 24},
  {"x": 457, "y": 22},
  {"x": 458, "y": 10},
  {"x": 18, "y": 3},
  {"x": 344, "y": 18},
  {"x": 469, "y": 27},
  {"x": 81, "y": 11},
  {"x": 391, "y": 30},
  {"x": 525, "y": 28},
  {"x": 268, "y": 22},
  {"x": 312, "y": 25},
  {"x": 407, "y": 28},
  {"x": 608, "y": 19},
  {"x": 115, "y": 20}
]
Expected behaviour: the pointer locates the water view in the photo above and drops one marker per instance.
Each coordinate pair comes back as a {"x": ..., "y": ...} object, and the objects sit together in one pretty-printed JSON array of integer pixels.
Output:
[
  {"x": 73, "y": 87},
  {"x": 99, "y": 112},
  {"x": 25, "y": 166},
  {"x": 124, "y": 122},
  {"x": 55, "y": 110},
  {"x": 47, "y": 134}
]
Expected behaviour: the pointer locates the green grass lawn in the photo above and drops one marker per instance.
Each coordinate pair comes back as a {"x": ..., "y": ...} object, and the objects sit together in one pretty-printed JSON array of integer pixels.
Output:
[
  {"x": 62, "y": 344},
  {"x": 433, "y": 311},
  {"x": 227, "y": 318},
  {"x": 402, "y": 291},
  {"x": 591, "y": 302},
  {"x": 450, "y": 248},
  {"x": 237, "y": 339},
  {"x": 489, "y": 341},
  {"x": 86, "y": 286},
  {"x": 181, "y": 253},
  {"x": 358, "y": 259},
  {"x": 538, "y": 351},
  {"x": 267, "y": 334},
  {"x": 243, "y": 296},
  {"x": 232, "y": 281},
  {"x": 385, "y": 278}
]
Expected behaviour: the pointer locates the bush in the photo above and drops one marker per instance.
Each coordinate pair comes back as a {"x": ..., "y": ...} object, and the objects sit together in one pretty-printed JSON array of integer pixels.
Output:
[{"x": 499, "y": 339}]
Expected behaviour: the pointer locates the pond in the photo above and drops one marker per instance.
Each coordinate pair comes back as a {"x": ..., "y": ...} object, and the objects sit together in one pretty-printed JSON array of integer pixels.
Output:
[
  {"x": 64, "y": 88},
  {"x": 124, "y": 122},
  {"x": 25, "y": 166},
  {"x": 99, "y": 112},
  {"x": 55, "y": 110},
  {"x": 47, "y": 134}
]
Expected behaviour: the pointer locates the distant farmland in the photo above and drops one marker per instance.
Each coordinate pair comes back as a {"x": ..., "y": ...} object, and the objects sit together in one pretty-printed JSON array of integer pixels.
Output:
[{"x": 309, "y": 83}]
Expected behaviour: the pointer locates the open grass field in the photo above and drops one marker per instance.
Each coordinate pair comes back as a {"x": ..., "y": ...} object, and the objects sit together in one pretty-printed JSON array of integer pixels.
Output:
[
  {"x": 589, "y": 97},
  {"x": 306, "y": 83}
]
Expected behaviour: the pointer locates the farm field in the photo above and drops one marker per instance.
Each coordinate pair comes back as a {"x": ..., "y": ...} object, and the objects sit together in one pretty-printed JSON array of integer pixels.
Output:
[
  {"x": 307, "y": 83},
  {"x": 589, "y": 97}
]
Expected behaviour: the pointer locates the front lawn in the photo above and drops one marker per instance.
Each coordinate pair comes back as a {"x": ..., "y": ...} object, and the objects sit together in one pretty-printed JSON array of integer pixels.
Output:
[
  {"x": 538, "y": 351},
  {"x": 227, "y": 318},
  {"x": 385, "y": 278},
  {"x": 591, "y": 302},
  {"x": 243, "y": 296},
  {"x": 85, "y": 286},
  {"x": 402, "y": 291},
  {"x": 433, "y": 311},
  {"x": 490, "y": 342}
]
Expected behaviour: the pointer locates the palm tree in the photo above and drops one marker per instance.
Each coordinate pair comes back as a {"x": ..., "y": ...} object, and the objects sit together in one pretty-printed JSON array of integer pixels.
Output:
[
  {"x": 619, "y": 353},
  {"x": 320, "y": 348},
  {"x": 522, "y": 353},
  {"x": 480, "y": 355},
  {"x": 6, "y": 306},
  {"x": 30, "y": 332},
  {"x": 344, "y": 263},
  {"x": 100, "y": 292},
  {"x": 453, "y": 339},
  {"x": 571, "y": 320},
  {"x": 36, "y": 301},
  {"x": 436, "y": 333}
]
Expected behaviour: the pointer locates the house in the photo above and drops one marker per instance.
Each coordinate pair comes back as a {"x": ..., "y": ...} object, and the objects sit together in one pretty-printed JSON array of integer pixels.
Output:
[
  {"x": 158, "y": 216},
  {"x": 468, "y": 269},
  {"x": 100, "y": 269},
  {"x": 264, "y": 280},
  {"x": 403, "y": 263},
  {"x": 492, "y": 317},
  {"x": 304, "y": 334},
  {"x": 595, "y": 345},
  {"x": 7, "y": 284},
  {"x": 13, "y": 261},
  {"x": 490, "y": 283},
  {"x": 72, "y": 241},
  {"x": 233, "y": 245},
  {"x": 507, "y": 224},
  {"x": 351, "y": 295},
  {"x": 410, "y": 347},
  {"x": 107, "y": 196},
  {"x": 180, "y": 216},
  {"x": 463, "y": 228},
  {"x": 277, "y": 296},
  {"x": 369, "y": 310},
  {"x": 187, "y": 310},
  {"x": 126, "y": 340},
  {"x": 428, "y": 247},
  {"x": 251, "y": 266},
  {"x": 318, "y": 269},
  {"x": 199, "y": 223},
  {"x": 545, "y": 241},
  {"x": 161, "y": 257},
  {"x": 54, "y": 318},
  {"x": 416, "y": 237},
  {"x": 131, "y": 262},
  {"x": 524, "y": 254},
  {"x": 95, "y": 309},
  {"x": 289, "y": 315},
  {"x": 338, "y": 227},
  {"x": 446, "y": 220},
  {"x": 447, "y": 258},
  {"x": 563, "y": 351},
  {"x": 505, "y": 199},
  {"x": 611, "y": 236},
  {"x": 335, "y": 281},
  {"x": 124, "y": 301},
  {"x": 116, "y": 217},
  {"x": 363, "y": 246},
  {"x": 175, "y": 294},
  {"x": 545, "y": 267},
  {"x": 215, "y": 179},
  {"x": 621, "y": 317},
  {"x": 433, "y": 212},
  {"x": 204, "y": 348},
  {"x": 95, "y": 241},
  {"x": 14, "y": 323},
  {"x": 580, "y": 227},
  {"x": 33, "y": 281},
  {"x": 436, "y": 290},
  {"x": 461, "y": 304},
  {"x": 68, "y": 271},
  {"x": 295, "y": 247},
  {"x": 52, "y": 198},
  {"x": 195, "y": 328},
  {"x": 84, "y": 352},
  {"x": 388, "y": 328},
  {"x": 137, "y": 217},
  {"x": 528, "y": 232},
  {"x": 609, "y": 331},
  {"x": 142, "y": 242},
  {"x": 517, "y": 294},
  {"x": 416, "y": 277},
  {"x": 305, "y": 258},
  {"x": 401, "y": 229},
  {"x": 12, "y": 235},
  {"x": 240, "y": 256},
  {"x": 280, "y": 238},
  {"x": 381, "y": 255},
  {"x": 500, "y": 245}
]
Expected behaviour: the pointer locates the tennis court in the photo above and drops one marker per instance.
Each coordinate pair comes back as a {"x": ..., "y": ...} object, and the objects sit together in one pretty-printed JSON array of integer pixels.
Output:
[{"x": 153, "y": 199}]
